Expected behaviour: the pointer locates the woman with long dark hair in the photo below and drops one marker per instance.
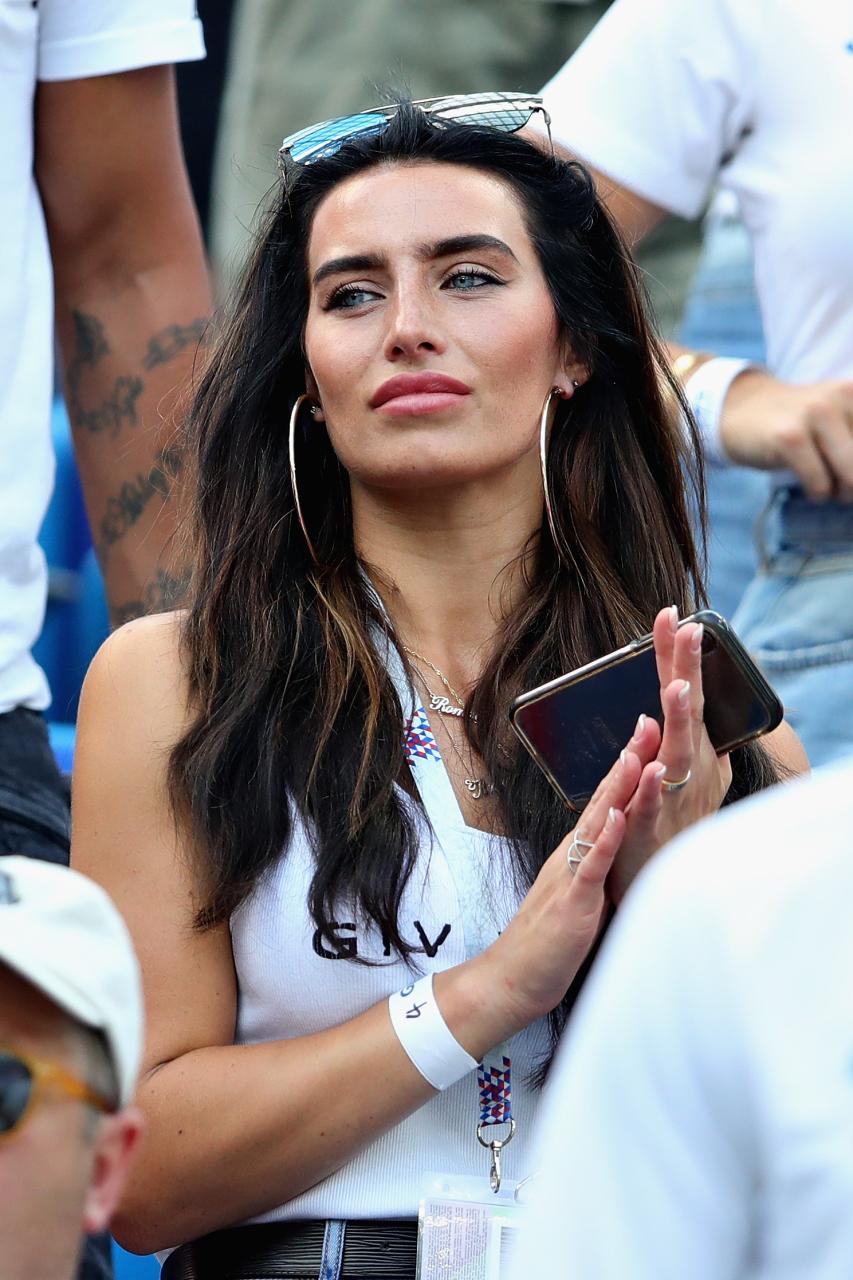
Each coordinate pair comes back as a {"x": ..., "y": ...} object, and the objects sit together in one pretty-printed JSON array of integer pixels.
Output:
[{"x": 346, "y": 880}]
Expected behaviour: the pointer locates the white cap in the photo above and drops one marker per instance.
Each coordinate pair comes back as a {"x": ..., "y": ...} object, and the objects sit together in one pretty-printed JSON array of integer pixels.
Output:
[{"x": 61, "y": 932}]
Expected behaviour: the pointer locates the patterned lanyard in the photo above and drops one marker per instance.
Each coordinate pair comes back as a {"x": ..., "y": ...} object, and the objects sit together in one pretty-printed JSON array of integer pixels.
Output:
[
  {"x": 494, "y": 1079},
  {"x": 495, "y": 1085}
]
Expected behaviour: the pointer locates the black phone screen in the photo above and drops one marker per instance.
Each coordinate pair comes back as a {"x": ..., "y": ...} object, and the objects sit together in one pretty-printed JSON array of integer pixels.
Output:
[{"x": 580, "y": 729}]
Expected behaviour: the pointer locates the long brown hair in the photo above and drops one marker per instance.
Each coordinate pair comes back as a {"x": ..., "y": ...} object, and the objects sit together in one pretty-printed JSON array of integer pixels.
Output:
[{"x": 295, "y": 712}]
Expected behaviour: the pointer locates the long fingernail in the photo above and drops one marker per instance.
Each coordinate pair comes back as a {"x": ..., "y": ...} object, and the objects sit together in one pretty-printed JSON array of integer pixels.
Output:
[
  {"x": 640, "y": 726},
  {"x": 684, "y": 694},
  {"x": 672, "y": 618},
  {"x": 611, "y": 817},
  {"x": 623, "y": 757},
  {"x": 696, "y": 639}
]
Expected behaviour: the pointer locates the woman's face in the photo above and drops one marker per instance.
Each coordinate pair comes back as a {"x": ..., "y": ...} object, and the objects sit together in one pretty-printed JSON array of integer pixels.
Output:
[{"x": 431, "y": 335}]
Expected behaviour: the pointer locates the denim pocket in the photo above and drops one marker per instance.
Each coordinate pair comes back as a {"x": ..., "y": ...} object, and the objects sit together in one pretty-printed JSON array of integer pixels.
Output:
[{"x": 798, "y": 612}]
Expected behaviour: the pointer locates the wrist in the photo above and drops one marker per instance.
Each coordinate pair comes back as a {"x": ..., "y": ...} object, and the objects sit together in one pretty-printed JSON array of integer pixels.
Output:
[
  {"x": 425, "y": 1037},
  {"x": 474, "y": 1003},
  {"x": 712, "y": 391},
  {"x": 740, "y": 413}
]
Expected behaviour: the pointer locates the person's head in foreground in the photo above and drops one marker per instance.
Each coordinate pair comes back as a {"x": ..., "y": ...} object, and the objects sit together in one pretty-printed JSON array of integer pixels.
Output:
[
  {"x": 485, "y": 273},
  {"x": 70, "y": 1043}
]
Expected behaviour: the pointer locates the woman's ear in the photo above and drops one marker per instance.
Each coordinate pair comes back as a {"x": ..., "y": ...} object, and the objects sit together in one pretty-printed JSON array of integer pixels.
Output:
[
  {"x": 572, "y": 374},
  {"x": 312, "y": 390},
  {"x": 568, "y": 380}
]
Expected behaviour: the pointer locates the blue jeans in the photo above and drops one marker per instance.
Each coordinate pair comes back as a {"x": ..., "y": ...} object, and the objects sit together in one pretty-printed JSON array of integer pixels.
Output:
[{"x": 797, "y": 618}]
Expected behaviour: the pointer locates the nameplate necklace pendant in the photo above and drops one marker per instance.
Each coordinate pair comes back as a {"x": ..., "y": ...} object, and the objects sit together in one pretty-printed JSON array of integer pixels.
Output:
[{"x": 438, "y": 702}]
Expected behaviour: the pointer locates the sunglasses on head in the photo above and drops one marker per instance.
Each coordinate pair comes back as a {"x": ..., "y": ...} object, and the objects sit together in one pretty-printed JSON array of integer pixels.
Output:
[
  {"x": 506, "y": 112},
  {"x": 23, "y": 1079}
]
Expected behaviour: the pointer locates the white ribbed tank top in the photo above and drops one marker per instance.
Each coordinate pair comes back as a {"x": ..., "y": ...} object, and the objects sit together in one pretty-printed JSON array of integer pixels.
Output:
[{"x": 459, "y": 898}]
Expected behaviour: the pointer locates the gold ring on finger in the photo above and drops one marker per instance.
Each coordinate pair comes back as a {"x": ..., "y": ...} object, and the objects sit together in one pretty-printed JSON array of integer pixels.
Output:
[
  {"x": 677, "y": 784},
  {"x": 576, "y": 852}
]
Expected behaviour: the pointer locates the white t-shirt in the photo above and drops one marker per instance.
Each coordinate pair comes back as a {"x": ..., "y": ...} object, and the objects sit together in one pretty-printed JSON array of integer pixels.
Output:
[
  {"x": 53, "y": 40},
  {"x": 698, "y": 1124},
  {"x": 756, "y": 95}
]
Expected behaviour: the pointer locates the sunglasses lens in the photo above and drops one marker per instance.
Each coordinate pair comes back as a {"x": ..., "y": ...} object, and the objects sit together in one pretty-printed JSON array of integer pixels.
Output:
[
  {"x": 505, "y": 112},
  {"x": 325, "y": 139},
  {"x": 15, "y": 1088}
]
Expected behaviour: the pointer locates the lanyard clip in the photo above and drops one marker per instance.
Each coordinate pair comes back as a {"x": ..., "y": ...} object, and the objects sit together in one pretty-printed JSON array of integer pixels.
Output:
[{"x": 495, "y": 1146}]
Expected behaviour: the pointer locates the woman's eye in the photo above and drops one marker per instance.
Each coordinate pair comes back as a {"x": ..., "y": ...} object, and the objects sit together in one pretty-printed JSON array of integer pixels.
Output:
[
  {"x": 350, "y": 296},
  {"x": 469, "y": 278}
]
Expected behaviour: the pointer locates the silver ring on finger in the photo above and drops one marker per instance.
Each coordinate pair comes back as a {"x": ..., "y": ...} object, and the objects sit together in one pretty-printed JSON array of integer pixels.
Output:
[
  {"x": 577, "y": 851},
  {"x": 677, "y": 784}
]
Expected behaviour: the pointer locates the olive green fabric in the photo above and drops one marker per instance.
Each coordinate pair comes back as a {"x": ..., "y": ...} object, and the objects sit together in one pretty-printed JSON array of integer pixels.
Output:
[{"x": 295, "y": 62}]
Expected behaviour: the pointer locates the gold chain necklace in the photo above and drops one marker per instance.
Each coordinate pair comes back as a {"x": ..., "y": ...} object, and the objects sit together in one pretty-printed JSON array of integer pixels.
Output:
[
  {"x": 438, "y": 702},
  {"x": 477, "y": 788}
]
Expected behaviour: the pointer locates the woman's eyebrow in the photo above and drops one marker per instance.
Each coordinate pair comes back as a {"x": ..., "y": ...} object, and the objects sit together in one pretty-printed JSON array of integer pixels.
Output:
[
  {"x": 352, "y": 262},
  {"x": 439, "y": 249},
  {"x": 465, "y": 244}
]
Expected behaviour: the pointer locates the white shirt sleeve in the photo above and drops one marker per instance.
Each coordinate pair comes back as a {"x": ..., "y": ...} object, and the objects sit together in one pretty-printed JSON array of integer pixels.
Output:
[
  {"x": 80, "y": 38},
  {"x": 644, "y": 1159},
  {"x": 658, "y": 95}
]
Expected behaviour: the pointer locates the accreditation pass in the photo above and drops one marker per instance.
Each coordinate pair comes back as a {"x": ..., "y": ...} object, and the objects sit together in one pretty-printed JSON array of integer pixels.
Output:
[{"x": 465, "y": 1231}]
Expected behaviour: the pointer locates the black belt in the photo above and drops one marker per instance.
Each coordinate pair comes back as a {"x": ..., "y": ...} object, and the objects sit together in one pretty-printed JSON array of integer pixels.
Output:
[{"x": 373, "y": 1248}]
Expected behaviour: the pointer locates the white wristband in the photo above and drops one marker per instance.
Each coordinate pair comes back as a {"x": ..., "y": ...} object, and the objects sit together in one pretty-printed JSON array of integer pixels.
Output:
[
  {"x": 426, "y": 1037},
  {"x": 706, "y": 391}
]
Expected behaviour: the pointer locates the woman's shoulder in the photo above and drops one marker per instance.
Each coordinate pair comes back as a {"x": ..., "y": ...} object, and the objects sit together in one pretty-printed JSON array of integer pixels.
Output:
[{"x": 139, "y": 676}]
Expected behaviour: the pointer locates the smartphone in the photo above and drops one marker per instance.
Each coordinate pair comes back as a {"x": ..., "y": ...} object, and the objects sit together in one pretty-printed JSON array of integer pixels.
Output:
[{"x": 576, "y": 726}]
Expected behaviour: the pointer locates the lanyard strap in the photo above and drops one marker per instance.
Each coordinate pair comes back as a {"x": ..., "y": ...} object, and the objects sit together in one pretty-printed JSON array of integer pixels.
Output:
[
  {"x": 495, "y": 1084},
  {"x": 494, "y": 1073}
]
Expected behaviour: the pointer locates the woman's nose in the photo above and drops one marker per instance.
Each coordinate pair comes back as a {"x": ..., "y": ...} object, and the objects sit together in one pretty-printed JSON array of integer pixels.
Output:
[{"x": 412, "y": 328}]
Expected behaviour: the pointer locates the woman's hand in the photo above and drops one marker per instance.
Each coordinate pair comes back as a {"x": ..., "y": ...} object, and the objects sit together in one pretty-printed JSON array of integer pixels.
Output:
[
  {"x": 528, "y": 970},
  {"x": 683, "y": 749}
]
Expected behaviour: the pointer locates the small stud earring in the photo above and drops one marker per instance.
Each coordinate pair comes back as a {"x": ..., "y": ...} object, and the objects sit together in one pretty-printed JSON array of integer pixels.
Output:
[
  {"x": 314, "y": 410},
  {"x": 575, "y": 382}
]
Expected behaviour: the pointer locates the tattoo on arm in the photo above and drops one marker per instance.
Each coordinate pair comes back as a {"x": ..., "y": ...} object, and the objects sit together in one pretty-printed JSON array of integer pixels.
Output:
[
  {"x": 90, "y": 347},
  {"x": 165, "y": 592},
  {"x": 126, "y": 507},
  {"x": 175, "y": 338},
  {"x": 119, "y": 407}
]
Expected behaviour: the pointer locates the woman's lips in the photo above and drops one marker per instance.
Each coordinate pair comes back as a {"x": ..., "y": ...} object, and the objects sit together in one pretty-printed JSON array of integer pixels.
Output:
[
  {"x": 420, "y": 403},
  {"x": 414, "y": 394}
]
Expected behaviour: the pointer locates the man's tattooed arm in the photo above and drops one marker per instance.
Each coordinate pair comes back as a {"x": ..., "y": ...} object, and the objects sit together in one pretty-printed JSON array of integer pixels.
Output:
[
  {"x": 163, "y": 593},
  {"x": 118, "y": 406},
  {"x": 132, "y": 297},
  {"x": 125, "y": 508},
  {"x": 105, "y": 399},
  {"x": 174, "y": 339}
]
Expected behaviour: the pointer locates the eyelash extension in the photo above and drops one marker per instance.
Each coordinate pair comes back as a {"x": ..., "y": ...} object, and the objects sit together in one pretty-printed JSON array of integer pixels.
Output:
[
  {"x": 349, "y": 290},
  {"x": 343, "y": 291},
  {"x": 478, "y": 272}
]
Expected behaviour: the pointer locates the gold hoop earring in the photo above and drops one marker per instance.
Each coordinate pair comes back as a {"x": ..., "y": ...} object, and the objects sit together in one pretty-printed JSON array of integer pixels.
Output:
[
  {"x": 546, "y": 421},
  {"x": 291, "y": 453}
]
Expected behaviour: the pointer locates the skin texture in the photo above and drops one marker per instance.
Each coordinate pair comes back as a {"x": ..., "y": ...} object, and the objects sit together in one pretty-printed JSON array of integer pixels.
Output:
[
  {"x": 132, "y": 301},
  {"x": 442, "y": 503},
  {"x": 60, "y": 1174}
]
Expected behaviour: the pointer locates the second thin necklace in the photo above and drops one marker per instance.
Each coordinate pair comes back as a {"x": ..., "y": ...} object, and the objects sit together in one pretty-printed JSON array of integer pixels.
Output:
[{"x": 477, "y": 788}]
